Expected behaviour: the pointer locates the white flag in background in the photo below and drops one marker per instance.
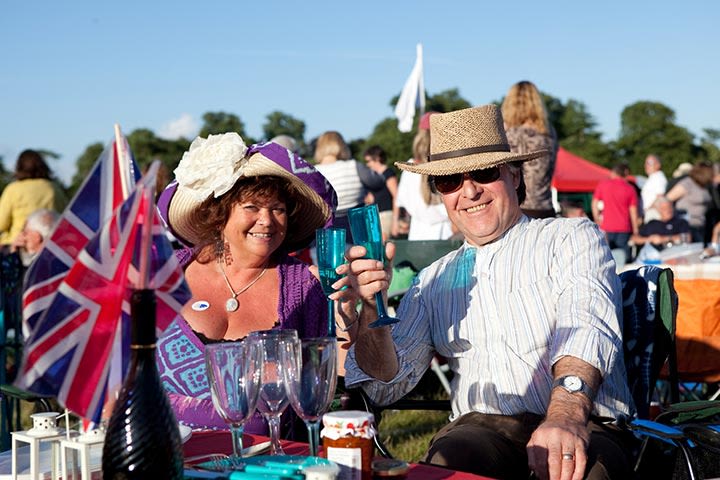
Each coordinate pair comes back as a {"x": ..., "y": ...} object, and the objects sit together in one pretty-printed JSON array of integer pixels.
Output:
[{"x": 413, "y": 93}]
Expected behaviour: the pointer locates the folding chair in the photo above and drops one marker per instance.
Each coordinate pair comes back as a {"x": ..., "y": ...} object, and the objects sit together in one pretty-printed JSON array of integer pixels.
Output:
[
  {"x": 649, "y": 315},
  {"x": 411, "y": 256}
]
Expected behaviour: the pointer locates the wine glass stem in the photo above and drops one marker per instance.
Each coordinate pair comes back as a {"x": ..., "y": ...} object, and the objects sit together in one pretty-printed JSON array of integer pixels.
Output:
[
  {"x": 313, "y": 436},
  {"x": 274, "y": 423},
  {"x": 380, "y": 301},
  {"x": 237, "y": 443},
  {"x": 331, "y": 318}
]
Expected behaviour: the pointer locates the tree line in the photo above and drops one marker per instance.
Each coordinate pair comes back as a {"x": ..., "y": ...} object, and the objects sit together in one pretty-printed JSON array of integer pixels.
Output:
[{"x": 646, "y": 127}]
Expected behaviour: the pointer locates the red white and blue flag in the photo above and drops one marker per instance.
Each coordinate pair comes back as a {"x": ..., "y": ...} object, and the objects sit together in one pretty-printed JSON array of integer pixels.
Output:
[
  {"x": 94, "y": 203},
  {"x": 83, "y": 331}
]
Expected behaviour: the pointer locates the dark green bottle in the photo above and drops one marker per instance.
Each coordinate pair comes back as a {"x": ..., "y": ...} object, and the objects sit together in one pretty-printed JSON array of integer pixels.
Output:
[{"x": 142, "y": 439}]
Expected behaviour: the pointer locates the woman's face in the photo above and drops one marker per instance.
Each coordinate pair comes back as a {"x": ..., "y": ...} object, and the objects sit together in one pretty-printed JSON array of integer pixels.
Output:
[{"x": 256, "y": 226}]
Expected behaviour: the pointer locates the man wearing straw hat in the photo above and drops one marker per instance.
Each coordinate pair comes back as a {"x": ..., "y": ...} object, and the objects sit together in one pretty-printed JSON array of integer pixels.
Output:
[{"x": 526, "y": 312}]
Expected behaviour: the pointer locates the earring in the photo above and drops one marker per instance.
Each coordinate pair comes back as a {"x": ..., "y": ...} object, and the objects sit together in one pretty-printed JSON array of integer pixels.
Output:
[
  {"x": 219, "y": 248},
  {"x": 227, "y": 253}
]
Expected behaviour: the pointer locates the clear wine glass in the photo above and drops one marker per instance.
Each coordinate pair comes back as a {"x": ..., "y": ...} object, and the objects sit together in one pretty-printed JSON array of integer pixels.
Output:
[
  {"x": 273, "y": 398},
  {"x": 311, "y": 378},
  {"x": 330, "y": 246},
  {"x": 366, "y": 231},
  {"x": 234, "y": 372}
]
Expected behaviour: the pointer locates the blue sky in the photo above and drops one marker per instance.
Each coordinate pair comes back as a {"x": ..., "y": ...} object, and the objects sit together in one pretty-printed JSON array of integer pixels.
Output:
[{"x": 70, "y": 70}]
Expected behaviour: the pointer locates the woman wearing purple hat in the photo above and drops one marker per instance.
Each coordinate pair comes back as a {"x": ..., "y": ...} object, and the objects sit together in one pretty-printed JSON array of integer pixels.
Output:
[{"x": 240, "y": 211}]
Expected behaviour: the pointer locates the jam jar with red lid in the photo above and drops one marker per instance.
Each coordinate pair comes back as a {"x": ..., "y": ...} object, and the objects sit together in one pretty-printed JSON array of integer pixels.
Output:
[{"x": 347, "y": 438}]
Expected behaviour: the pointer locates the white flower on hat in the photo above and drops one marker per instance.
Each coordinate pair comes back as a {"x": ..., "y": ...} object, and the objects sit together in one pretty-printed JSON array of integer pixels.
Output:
[{"x": 212, "y": 165}]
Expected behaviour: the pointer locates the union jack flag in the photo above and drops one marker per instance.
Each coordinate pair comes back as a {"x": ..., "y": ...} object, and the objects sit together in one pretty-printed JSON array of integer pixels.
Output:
[
  {"x": 73, "y": 346},
  {"x": 94, "y": 203}
]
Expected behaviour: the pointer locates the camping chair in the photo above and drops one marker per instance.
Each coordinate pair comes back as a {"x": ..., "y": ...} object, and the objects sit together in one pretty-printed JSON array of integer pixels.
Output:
[
  {"x": 411, "y": 256},
  {"x": 693, "y": 429},
  {"x": 649, "y": 314},
  {"x": 421, "y": 253},
  {"x": 698, "y": 343}
]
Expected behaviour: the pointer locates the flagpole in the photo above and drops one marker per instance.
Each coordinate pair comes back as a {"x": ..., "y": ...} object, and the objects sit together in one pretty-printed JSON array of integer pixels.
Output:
[
  {"x": 148, "y": 193},
  {"x": 421, "y": 81},
  {"x": 67, "y": 424},
  {"x": 123, "y": 161}
]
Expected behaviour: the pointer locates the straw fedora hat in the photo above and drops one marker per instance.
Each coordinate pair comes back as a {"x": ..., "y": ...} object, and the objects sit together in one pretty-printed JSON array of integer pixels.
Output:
[
  {"x": 467, "y": 140},
  {"x": 179, "y": 204}
]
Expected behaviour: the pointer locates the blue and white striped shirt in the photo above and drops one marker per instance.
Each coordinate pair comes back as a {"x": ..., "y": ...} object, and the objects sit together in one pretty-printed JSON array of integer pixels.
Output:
[{"x": 504, "y": 313}]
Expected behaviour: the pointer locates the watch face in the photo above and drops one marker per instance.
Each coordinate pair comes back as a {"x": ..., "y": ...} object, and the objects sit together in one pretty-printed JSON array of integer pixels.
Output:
[{"x": 572, "y": 383}]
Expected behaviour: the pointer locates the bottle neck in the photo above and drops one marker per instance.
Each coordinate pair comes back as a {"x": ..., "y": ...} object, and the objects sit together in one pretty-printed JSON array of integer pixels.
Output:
[{"x": 142, "y": 309}]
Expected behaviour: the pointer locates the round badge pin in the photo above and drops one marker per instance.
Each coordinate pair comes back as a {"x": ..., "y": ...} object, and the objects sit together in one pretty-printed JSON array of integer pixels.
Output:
[{"x": 200, "y": 305}]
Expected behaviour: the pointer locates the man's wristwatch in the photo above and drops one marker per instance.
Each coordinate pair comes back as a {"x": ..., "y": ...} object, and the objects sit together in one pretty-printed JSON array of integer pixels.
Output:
[{"x": 574, "y": 384}]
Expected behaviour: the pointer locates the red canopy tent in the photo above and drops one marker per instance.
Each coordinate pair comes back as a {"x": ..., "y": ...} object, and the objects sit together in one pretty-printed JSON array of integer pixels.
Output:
[{"x": 575, "y": 174}]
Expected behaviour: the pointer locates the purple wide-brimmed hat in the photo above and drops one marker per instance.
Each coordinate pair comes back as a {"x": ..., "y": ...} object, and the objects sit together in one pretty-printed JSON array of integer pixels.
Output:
[{"x": 212, "y": 166}]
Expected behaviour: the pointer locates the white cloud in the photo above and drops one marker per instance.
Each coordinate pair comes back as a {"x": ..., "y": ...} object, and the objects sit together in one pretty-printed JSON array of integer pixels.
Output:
[{"x": 183, "y": 126}]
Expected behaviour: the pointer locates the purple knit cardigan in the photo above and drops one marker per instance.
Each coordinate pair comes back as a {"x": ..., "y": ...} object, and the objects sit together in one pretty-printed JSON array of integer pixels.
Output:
[{"x": 302, "y": 306}]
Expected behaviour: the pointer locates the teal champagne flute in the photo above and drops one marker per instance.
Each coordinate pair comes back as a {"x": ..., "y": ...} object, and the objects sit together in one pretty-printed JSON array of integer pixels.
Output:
[
  {"x": 330, "y": 246},
  {"x": 366, "y": 231}
]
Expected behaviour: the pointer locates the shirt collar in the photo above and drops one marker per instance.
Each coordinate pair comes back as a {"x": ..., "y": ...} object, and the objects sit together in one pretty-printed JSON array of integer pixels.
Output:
[{"x": 507, "y": 237}]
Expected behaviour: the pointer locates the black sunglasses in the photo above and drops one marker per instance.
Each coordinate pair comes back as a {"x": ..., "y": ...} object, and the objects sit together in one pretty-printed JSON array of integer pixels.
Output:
[{"x": 452, "y": 183}]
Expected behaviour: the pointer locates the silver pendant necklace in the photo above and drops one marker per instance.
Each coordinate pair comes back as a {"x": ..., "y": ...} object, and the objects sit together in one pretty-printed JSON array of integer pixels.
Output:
[{"x": 231, "y": 304}]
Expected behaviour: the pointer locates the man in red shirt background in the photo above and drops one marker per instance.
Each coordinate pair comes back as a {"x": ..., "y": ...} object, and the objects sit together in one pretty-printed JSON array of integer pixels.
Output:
[{"x": 618, "y": 217}]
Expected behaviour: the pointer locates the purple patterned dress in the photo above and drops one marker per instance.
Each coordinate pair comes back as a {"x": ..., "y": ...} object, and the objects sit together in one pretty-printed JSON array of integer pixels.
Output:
[{"x": 180, "y": 352}]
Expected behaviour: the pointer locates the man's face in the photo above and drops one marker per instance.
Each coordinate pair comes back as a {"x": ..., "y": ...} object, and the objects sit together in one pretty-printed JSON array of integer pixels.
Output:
[
  {"x": 666, "y": 211},
  {"x": 485, "y": 211},
  {"x": 31, "y": 240},
  {"x": 651, "y": 165}
]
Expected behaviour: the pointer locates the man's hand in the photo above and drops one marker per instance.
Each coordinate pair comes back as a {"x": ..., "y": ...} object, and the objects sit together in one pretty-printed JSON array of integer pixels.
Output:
[
  {"x": 550, "y": 445},
  {"x": 363, "y": 277},
  {"x": 557, "y": 449},
  {"x": 374, "y": 348}
]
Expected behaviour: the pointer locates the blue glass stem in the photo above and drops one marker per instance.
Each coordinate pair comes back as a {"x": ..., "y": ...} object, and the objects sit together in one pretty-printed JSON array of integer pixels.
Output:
[
  {"x": 313, "y": 436},
  {"x": 331, "y": 318},
  {"x": 380, "y": 301},
  {"x": 383, "y": 317}
]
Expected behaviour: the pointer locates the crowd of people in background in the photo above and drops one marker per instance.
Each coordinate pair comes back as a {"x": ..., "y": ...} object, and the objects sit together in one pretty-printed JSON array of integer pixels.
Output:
[
  {"x": 29, "y": 209},
  {"x": 662, "y": 213},
  {"x": 410, "y": 208}
]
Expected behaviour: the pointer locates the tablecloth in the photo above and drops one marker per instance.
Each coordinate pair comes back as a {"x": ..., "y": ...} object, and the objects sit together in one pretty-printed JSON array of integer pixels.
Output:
[{"x": 205, "y": 442}]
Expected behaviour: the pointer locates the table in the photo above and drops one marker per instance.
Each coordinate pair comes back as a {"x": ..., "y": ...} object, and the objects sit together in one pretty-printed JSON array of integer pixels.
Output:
[
  {"x": 212, "y": 441},
  {"x": 698, "y": 320}
]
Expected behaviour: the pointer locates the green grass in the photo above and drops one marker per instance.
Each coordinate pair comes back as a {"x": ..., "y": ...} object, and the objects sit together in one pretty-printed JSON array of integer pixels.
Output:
[{"x": 407, "y": 433}]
